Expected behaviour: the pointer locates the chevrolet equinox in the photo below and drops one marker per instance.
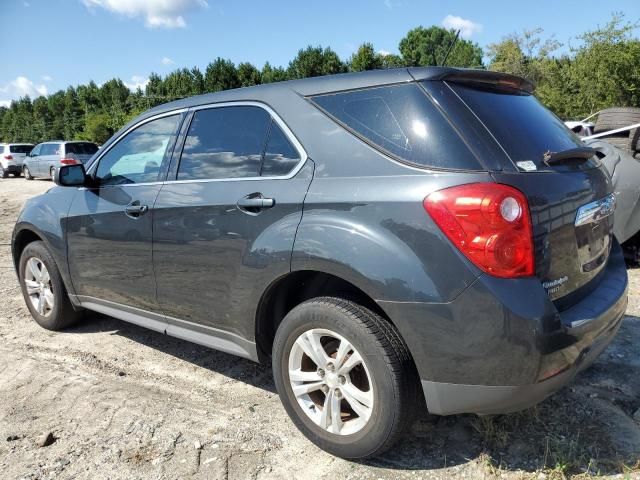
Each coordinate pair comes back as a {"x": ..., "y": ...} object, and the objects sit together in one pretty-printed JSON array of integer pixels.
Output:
[{"x": 389, "y": 240}]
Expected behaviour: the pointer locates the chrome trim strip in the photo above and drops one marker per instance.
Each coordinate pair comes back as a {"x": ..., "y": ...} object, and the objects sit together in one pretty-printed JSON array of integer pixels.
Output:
[
  {"x": 94, "y": 164},
  {"x": 596, "y": 210},
  {"x": 207, "y": 336}
]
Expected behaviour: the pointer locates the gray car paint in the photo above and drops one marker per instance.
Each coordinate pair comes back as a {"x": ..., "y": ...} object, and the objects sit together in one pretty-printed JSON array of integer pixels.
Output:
[{"x": 363, "y": 221}]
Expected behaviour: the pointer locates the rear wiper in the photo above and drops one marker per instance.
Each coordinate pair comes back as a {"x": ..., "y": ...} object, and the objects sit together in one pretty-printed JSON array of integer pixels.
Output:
[{"x": 578, "y": 153}]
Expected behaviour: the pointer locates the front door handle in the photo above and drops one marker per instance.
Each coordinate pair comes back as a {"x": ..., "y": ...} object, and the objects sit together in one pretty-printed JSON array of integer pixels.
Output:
[
  {"x": 134, "y": 209},
  {"x": 256, "y": 202}
]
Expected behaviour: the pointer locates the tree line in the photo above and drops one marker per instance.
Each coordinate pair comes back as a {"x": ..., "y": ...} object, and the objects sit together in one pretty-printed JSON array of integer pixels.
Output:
[{"x": 600, "y": 72}]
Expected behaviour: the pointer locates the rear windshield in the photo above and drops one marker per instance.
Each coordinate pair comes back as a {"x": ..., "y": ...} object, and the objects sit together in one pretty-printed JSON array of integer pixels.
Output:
[
  {"x": 401, "y": 121},
  {"x": 523, "y": 127},
  {"x": 20, "y": 148},
  {"x": 81, "y": 148}
]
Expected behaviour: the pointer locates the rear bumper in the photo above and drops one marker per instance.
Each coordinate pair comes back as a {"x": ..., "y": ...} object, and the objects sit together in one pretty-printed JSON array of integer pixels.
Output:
[
  {"x": 12, "y": 168},
  {"x": 502, "y": 346}
]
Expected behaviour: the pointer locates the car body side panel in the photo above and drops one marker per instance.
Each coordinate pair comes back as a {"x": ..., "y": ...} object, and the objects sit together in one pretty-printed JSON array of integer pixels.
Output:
[
  {"x": 375, "y": 233},
  {"x": 46, "y": 216}
]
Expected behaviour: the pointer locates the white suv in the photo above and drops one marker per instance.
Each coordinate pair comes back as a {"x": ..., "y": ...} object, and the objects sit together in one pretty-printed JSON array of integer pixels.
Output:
[{"x": 11, "y": 157}]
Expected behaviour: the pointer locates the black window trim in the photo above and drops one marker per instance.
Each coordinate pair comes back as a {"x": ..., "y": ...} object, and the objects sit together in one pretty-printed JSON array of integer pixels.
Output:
[{"x": 177, "y": 154}]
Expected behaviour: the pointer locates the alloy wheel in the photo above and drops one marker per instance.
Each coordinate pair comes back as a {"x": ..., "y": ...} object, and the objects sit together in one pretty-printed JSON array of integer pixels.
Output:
[
  {"x": 331, "y": 381},
  {"x": 39, "y": 287}
]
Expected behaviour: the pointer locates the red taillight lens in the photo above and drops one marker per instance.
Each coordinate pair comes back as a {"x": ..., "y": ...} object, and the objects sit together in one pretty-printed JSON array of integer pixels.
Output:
[
  {"x": 489, "y": 223},
  {"x": 8, "y": 157},
  {"x": 68, "y": 161}
]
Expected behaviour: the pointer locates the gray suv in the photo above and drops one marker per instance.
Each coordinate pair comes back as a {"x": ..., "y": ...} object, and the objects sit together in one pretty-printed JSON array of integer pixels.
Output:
[
  {"x": 389, "y": 241},
  {"x": 47, "y": 157}
]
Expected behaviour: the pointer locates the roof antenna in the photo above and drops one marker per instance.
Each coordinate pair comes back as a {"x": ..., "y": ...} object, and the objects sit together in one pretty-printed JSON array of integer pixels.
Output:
[{"x": 444, "y": 60}]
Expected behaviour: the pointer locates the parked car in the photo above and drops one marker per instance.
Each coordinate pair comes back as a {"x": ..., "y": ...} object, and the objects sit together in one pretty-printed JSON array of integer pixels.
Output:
[
  {"x": 11, "y": 158},
  {"x": 382, "y": 238},
  {"x": 47, "y": 157}
]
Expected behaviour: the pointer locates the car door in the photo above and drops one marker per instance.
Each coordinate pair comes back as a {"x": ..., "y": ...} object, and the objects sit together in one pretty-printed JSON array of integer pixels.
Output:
[
  {"x": 109, "y": 225},
  {"x": 48, "y": 158},
  {"x": 223, "y": 231},
  {"x": 32, "y": 159}
]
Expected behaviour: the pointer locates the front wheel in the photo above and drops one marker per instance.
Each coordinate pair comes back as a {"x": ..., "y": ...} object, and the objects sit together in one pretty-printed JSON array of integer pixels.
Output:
[
  {"x": 345, "y": 377},
  {"x": 43, "y": 289},
  {"x": 27, "y": 173}
]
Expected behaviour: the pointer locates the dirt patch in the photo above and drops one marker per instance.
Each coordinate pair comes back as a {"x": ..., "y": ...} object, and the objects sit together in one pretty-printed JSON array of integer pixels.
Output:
[{"x": 124, "y": 402}]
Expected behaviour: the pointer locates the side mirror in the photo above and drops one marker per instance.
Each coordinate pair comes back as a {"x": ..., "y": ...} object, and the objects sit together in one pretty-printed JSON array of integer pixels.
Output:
[{"x": 70, "y": 176}]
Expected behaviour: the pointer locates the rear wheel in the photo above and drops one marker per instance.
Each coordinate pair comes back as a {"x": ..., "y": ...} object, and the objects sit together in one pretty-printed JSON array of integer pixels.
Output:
[
  {"x": 3, "y": 172},
  {"x": 345, "y": 377},
  {"x": 27, "y": 173},
  {"x": 52, "y": 173},
  {"x": 43, "y": 289}
]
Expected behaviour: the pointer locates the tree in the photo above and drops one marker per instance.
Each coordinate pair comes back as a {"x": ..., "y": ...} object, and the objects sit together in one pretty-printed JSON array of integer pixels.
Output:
[
  {"x": 97, "y": 128},
  {"x": 220, "y": 75},
  {"x": 365, "y": 58},
  {"x": 429, "y": 46},
  {"x": 73, "y": 115},
  {"x": 314, "y": 61},
  {"x": 271, "y": 74},
  {"x": 248, "y": 75}
]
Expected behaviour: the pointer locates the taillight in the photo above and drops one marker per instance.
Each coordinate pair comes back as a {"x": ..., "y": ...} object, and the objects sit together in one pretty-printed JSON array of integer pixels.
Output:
[
  {"x": 69, "y": 161},
  {"x": 489, "y": 223},
  {"x": 8, "y": 157}
]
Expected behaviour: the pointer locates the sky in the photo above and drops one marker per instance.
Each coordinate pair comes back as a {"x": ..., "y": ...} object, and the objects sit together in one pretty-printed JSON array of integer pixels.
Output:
[{"x": 47, "y": 45}]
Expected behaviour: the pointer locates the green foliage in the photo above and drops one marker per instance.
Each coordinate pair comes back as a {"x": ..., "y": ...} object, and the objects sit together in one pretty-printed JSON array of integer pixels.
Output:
[
  {"x": 314, "y": 61},
  {"x": 365, "y": 58},
  {"x": 429, "y": 46},
  {"x": 601, "y": 71}
]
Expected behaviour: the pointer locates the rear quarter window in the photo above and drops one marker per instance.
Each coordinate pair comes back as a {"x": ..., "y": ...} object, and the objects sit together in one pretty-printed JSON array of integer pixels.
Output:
[
  {"x": 81, "y": 148},
  {"x": 20, "y": 148},
  {"x": 401, "y": 121}
]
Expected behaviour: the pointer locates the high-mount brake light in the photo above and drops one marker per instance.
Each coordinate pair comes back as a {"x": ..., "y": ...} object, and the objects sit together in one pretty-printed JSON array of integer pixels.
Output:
[{"x": 489, "y": 223}]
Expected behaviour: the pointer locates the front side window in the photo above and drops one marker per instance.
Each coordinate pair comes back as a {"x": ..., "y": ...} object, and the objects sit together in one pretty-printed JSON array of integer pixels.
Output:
[
  {"x": 137, "y": 157},
  {"x": 224, "y": 142},
  {"x": 36, "y": 151},
  {"x": 403, "y": 122}
]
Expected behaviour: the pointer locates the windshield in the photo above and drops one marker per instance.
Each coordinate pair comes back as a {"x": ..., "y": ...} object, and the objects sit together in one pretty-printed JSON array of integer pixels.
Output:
[{"x": 521, "y": 124}]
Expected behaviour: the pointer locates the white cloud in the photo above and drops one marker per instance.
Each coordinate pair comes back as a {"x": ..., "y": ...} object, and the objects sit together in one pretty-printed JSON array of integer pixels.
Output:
[
  {"x": 47, "y": 78},
  {"x": 167, "y": 61},
  {"x": 20, "y": 87},
  {"x": 136, "y": 82},
  {"x": 467, "y": 27},
  {"x": 156, "y": 13},
  {"x": 384, "y": 53},
  {"x": 5, "y": 103}
]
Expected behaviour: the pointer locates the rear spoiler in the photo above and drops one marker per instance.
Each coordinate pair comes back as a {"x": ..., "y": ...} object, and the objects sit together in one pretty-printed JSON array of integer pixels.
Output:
[{"x": 471, "y": 76}]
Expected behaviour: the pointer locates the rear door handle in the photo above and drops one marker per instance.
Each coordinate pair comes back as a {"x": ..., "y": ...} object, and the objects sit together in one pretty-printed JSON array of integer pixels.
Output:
[
  {"x": 135, "y": 210},
  {"x": 256, "y": 202}
]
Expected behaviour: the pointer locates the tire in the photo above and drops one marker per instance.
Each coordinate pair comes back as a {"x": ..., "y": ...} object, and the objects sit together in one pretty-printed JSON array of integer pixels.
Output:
[
  {"x": 57, "y": 312},
  {"x": 27, "y": 173},
  {"x": 619, "y": 117},
  {"x": 52, "y": 174},
  {"x": 387, "y": 377},
  {"x": 3, "y": 172}
]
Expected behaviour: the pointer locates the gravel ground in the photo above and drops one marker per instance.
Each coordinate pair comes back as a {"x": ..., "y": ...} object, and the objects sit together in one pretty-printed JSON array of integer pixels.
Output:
[{"x": 111, "y": 400}]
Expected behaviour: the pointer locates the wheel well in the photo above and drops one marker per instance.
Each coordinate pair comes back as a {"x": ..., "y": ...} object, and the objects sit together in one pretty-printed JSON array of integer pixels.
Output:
[
  {"x": 295, "y": 288},
  {"x": 23, "y": 238}
]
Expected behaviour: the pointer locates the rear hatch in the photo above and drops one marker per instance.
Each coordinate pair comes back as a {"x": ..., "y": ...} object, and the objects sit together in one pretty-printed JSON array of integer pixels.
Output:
[
  {"x": 569, "y": 194},
  {"x": 81, "y": 151},
  {"x": 19, "y": 152}
]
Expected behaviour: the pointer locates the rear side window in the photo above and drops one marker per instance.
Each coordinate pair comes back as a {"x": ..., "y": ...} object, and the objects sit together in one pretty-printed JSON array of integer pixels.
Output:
[
  {"x": 20, "y": 148},
  {"x": 50, "y": 149},
  {"x": 224, "y": 142},
  {"x": 403, "y": 122},
  {"x": 81, "y": 148},
  {"x": 523, "y": 127},
  {"x": 280, "y": 157}
]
